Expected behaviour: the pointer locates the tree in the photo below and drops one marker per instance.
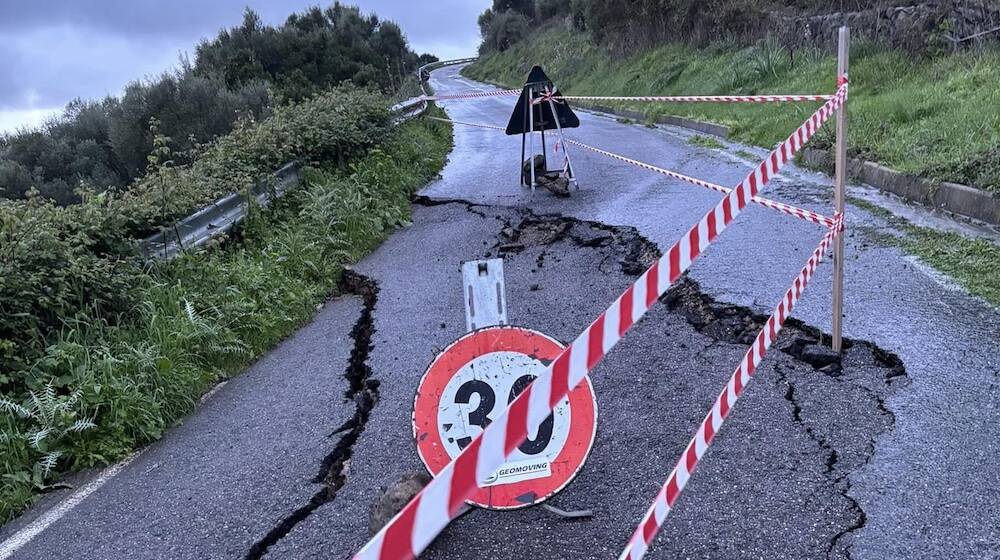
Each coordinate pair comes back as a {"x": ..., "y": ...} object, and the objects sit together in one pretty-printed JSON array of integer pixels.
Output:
[
  {"x": 103, "y": 144},
  {"x": 524, "y": 7},
  {"x": 504, "y": 29},
  {"x": 547, "y": 9}
]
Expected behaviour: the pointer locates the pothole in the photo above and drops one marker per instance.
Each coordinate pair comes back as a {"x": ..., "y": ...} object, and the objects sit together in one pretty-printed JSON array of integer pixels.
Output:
[{"x": 634, "y": 252}]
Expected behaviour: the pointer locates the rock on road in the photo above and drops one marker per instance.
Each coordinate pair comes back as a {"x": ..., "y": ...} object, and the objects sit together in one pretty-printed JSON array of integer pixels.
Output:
[{"x": 866, "y": 463}]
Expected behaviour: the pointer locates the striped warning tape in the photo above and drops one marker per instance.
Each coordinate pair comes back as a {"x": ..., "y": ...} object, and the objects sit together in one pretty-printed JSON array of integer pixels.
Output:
[
  {"x": 413, "y": 528},
  {"x": 667, "y": 496},
  {"x": 795, "y": 211},
  {"x": 472, "y": 95},
  {"x": 478, "y": 125},
  {"x": 692, "y": 98}
]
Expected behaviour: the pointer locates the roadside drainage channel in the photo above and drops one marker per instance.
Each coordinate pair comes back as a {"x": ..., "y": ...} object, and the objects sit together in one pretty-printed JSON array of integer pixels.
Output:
[
  {"x": 363, "y": 390},
  {"x": 961, "y": 200}
]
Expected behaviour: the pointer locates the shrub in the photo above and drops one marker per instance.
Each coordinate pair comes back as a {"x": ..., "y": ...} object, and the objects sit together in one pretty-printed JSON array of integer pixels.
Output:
[
  {"x": 58, "y": 264},
  {"x": 15, "y": 180},
  {"x": 337, "y": 125},
  {"x": 77, "y": 263},
  {"x": 203, "y": 316}
]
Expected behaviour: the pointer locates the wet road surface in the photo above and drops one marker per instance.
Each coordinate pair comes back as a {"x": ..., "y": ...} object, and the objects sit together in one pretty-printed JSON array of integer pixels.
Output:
[{"x": 865, "y": 462}]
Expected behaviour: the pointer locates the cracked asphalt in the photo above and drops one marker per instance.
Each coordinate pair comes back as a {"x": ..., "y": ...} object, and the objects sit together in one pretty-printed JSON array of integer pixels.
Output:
[
  {"x": 217, "y": 483},
  {"x": 857, "y": 462}
]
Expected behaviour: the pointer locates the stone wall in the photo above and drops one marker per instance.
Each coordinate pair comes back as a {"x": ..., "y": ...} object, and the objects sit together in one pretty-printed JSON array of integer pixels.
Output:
[{"x": 915, "y": 28}]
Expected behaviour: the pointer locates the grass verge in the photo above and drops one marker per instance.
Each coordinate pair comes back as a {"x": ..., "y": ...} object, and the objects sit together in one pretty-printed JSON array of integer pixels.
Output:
[
  {"x": 973, "y": 263},
  {"x": 106, "y": 387},
  {"x": 936, "y": 118},
  {"x": 705, "y": 142}
]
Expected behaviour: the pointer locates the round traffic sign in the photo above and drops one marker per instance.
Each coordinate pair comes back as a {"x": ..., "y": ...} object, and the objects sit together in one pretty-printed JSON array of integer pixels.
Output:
[{"x": 471, "y": 382}]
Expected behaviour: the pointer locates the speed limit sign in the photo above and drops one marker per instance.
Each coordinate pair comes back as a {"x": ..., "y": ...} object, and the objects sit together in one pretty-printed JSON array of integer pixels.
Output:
[{"x": 470, "y": 383}]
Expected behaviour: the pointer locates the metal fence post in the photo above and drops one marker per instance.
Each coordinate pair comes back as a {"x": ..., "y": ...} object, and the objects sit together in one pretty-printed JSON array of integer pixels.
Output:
[{"x": 843, "y": 54}]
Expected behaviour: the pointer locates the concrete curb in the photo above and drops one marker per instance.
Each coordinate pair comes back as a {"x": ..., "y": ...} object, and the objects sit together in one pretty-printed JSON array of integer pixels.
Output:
[{"x": 950, "y": 197}]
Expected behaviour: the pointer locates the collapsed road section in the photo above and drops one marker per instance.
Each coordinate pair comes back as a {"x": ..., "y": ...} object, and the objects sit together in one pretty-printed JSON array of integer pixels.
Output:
[{"x": 776, "y": 483}]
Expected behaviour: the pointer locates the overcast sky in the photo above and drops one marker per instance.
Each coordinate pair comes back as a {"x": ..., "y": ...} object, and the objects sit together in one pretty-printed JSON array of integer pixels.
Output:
[{"x": 52, "y": 51}]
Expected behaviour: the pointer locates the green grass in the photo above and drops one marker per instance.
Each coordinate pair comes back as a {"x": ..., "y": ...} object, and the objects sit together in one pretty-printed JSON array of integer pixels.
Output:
[
  {"x": 937, "y": 118},
  {"x": 973, "y": 263},
  {"x": 205, "y": 317},
  {"x": 705, "y": 142}
]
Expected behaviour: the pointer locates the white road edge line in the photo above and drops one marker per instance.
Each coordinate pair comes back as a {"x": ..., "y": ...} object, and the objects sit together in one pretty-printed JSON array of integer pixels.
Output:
[
  {"x": 19, "y": 539},
  {"x": 26, "y": 534}
]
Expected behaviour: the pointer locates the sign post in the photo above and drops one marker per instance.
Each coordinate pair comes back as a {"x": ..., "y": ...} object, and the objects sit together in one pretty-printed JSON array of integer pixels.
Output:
[{"x": 540, "y": 108}]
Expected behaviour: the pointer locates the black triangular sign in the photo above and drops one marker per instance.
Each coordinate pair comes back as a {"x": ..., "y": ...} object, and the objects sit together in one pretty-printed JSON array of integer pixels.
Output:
[
  {"x": 543, "y": 119},
  {"x": 537, "y": 76}
]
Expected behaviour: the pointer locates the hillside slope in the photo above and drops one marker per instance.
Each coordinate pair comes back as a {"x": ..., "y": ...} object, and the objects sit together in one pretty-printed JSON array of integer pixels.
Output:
[{"x": 938, "y": 118}]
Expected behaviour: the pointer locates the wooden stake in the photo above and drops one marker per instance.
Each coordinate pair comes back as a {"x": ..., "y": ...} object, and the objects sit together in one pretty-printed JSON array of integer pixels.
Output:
[{"x": 843, "y": 54}]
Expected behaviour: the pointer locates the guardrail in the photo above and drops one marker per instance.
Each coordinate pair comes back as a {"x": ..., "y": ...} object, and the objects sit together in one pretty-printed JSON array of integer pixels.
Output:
[
  {"x": 418, "y": 105},
  {"x": 224, "y": 214},
  {"x": 217, "y": 218}
]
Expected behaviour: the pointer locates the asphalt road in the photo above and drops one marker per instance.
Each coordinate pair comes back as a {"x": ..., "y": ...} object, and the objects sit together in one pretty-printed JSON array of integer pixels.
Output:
[{"x": 861, "y": 463}]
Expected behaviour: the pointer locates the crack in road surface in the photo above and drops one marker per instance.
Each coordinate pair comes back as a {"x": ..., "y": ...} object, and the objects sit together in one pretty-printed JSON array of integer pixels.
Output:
[
  {"x": 731, "y": 324},
  {"x": 811, "y": 383},
  {"x": 364, "y": 391},
  {"x": 738, "y": 325}
]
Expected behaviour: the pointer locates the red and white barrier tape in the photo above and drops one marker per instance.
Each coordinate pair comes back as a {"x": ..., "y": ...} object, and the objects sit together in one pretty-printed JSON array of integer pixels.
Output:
[
  {"x": 693, "y": 98},
  {"x": 478, "y": 125},
  {"x": 472, "y": 95},
  {"x": 413, "y": 528},
  {"x": 795, "y": 211},
  {"x": 667, "y": 496}
]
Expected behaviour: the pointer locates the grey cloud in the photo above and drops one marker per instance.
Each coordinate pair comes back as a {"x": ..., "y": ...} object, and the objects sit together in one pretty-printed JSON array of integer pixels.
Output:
[{"x": 54, "y": 50}]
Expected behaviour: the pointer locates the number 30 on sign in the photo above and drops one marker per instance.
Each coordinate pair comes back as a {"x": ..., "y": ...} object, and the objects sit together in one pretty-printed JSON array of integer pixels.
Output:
[{"x": 470, "y": 383}]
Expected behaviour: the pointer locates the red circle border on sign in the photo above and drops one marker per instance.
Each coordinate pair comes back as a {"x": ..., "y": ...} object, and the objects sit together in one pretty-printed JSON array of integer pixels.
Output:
[{"x": 583, "y": 412}]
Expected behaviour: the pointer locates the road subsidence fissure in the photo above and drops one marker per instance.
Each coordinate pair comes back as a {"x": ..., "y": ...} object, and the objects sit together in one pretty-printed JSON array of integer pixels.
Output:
[{"x": 363, "y": 389}]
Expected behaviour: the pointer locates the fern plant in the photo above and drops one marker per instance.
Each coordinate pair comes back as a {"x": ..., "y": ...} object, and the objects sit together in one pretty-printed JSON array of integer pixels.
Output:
[{"x": 50, "y": 419}]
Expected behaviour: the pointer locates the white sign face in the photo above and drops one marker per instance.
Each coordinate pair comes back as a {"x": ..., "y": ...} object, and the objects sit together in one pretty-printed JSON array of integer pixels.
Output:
[{"x": 481, "y": 390}]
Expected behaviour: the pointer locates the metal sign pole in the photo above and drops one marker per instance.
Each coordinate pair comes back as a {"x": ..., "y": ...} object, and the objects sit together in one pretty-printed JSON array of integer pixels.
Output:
[
  {"x": 531, "y": 134},
  {"x": 562, "y": 140},
  {"x": 843, "y": 54},
  {"x": 545, "y": 152},
  {"x": 520, "y": 168}
]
